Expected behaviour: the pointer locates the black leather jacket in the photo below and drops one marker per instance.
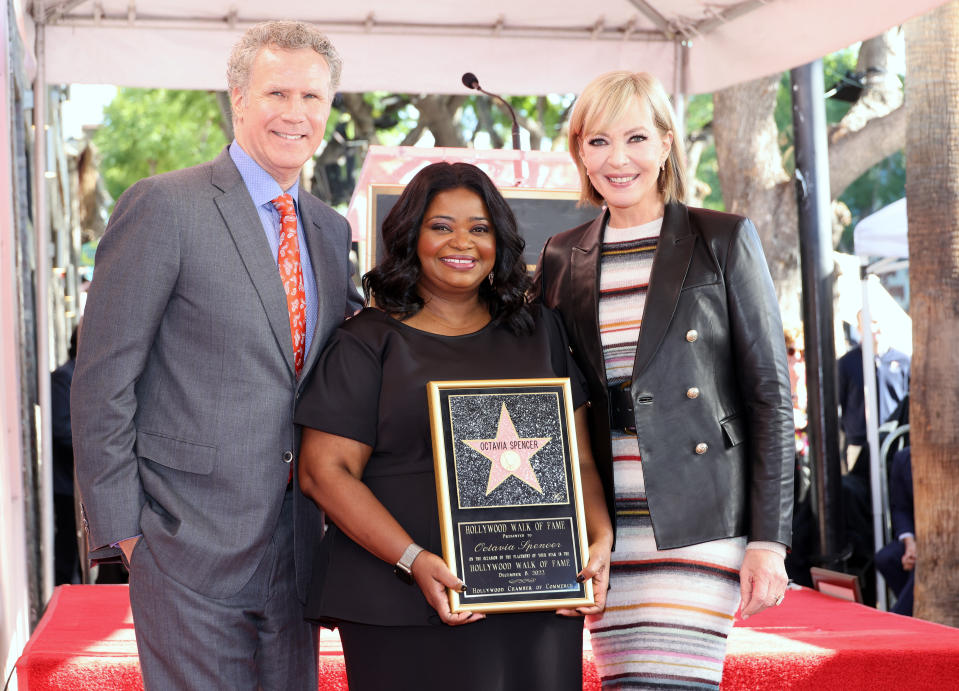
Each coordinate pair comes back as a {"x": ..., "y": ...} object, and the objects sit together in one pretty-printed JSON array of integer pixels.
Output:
[{"x": 710, "y": 387}]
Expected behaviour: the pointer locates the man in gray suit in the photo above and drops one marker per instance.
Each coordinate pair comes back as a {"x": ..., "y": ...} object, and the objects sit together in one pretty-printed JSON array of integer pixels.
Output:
[{"x": 193, "y": 350}]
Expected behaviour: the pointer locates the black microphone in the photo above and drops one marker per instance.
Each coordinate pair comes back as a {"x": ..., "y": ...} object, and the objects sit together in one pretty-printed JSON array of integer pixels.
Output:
[{"x": 471, "y": 82}]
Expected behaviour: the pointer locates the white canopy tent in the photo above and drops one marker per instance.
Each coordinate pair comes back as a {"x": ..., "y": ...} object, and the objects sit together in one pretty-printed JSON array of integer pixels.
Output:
[
  {"x": 423, "y": 46},
  {"x": 883, "y": 234},
  {"x": 883, "y": 237}
]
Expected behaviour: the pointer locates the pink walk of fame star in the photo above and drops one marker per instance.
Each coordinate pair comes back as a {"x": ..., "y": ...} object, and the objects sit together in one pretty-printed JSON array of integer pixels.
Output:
[{"x": 509, "y": 454}]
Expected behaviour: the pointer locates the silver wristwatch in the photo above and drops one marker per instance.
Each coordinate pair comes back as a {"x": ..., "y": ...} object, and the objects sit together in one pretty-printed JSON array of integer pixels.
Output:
[{"x": 404, "y": 567}]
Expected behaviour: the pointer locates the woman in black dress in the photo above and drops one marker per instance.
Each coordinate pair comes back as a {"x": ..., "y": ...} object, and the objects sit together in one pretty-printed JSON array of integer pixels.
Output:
[{"x": 451, "y": 304}]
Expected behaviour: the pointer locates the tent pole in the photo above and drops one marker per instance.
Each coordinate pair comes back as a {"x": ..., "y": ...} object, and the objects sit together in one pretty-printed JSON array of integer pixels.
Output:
[
  {"x": 815, "y": 250},
  {"x": 42, "y": 301},
  {"x": 680, "y": 82},
  {"x": 872, "y": 430}
]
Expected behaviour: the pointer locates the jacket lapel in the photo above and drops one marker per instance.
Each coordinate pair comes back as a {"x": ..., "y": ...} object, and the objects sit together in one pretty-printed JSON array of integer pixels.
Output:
[
  {"x": 673, "y": 253},
  {"x": 244, "y": 224},
  {"x": 319, "y": 256},
  {"x": 584, "y": 274}
]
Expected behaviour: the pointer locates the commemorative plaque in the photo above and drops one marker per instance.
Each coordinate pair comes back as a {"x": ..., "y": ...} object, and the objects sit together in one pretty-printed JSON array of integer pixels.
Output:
[{"x": 509, "y": 495}]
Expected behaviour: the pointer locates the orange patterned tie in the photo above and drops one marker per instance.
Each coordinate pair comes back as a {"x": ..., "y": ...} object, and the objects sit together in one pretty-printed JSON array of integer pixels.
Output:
[{"x": 292, "y": 275}]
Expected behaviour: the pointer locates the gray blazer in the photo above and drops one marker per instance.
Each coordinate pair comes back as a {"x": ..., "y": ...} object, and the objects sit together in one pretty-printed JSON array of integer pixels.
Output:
[{"x": 183, "y": 395}]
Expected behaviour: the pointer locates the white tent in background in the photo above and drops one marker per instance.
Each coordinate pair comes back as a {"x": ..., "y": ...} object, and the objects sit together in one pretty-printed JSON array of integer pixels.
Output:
[
  {"x": 894, "y": 321},
  {"x": 883, "y": 237},
  {"x": 883, "y": 234},
  {"x": 423, "y": 46}
]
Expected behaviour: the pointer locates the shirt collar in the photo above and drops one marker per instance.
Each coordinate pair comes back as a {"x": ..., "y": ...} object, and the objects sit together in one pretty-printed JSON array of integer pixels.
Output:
[{"x": 260, "y": 184}]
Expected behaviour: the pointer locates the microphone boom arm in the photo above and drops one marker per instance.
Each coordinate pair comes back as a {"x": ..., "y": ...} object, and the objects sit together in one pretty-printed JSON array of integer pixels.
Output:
[
  {"x": 512, "y": 114},
  {"x": 471, "y": 82}
]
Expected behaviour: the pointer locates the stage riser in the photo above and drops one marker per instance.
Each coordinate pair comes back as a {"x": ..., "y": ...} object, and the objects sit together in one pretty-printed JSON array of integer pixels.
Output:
[{"x": 811, "y": 643}]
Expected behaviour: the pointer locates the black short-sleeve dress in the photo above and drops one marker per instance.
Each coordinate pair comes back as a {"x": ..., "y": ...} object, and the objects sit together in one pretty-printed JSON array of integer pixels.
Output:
[{"x": 370, "y": 385}]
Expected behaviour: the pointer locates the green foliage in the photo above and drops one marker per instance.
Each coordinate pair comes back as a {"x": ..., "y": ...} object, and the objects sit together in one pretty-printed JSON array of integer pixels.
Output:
[
  {"x": 395, "y": 116},
  {"x": 834, "y": 68},
  {"x": 550, "y": 112},
  {"x": 150, "y": 131},
  {"x": 881, "y": 185},
  {"x": 699, "y": 114}
]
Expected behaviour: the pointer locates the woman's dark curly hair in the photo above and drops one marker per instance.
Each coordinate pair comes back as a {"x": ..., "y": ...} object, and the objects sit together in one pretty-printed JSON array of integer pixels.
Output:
[{"x": 392, "y": 282}]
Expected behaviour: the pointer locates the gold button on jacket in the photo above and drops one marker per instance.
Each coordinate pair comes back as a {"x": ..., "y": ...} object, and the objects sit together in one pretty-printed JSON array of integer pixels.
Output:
[{"x": 741, "y": 483}]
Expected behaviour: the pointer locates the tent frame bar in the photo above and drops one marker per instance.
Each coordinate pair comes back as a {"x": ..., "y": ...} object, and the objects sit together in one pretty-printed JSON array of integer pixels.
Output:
[
  {"x": 42, "y": 306},
  {"x": 370, "y": 25},
  {"x": 58, "y": 12},
  {"x": 877, "y": 484}
]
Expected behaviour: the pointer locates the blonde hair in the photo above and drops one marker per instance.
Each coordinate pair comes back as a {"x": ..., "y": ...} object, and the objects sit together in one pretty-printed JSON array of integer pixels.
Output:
[
  {"x": 603, "y": 101},
  {"x": 793, "y": 336}
]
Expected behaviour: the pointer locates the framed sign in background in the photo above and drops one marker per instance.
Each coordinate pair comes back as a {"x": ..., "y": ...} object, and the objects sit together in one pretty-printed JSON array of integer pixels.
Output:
[
  {"x": 509, "y": 494},
  {"x": 539, "y": 213},
  {"x": 836, "y": 583}
]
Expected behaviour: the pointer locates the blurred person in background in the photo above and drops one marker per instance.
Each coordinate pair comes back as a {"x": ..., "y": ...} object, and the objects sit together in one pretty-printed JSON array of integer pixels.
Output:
[
  {"x": 892, "y": 369},
  {"x": 66, "y": 555},
  {"x": 897, "y": 560}
]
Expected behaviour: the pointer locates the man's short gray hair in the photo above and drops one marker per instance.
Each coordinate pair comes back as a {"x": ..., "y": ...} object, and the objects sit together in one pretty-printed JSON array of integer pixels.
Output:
[{"x": 288, "y": 35}]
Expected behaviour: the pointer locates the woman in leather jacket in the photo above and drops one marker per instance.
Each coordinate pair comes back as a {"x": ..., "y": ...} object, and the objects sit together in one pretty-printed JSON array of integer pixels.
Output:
[{"x": 673, "y": 318}]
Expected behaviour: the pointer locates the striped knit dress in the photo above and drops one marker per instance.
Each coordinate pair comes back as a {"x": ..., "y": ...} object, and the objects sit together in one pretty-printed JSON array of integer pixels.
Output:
[{"x": 668, "y": 612}]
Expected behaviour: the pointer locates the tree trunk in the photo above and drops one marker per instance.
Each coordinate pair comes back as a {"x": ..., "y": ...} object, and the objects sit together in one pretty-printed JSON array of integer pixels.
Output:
[
  {"x": 440, "y": 114},
  {"x": 484, "y": 122},
  {"x": 932, "y": 173},
  {"x": 752, "y": 173},
  {"x": 361, "y": 113},
  {"x": 754, "y": 181}
]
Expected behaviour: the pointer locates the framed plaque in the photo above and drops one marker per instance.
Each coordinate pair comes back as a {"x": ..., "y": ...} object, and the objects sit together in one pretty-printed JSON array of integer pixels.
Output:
[{"x": 509, "y": 494}]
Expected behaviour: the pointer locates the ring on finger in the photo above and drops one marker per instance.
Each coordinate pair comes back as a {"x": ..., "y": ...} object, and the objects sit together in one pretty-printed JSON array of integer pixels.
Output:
[{"x": 779, "y": 600}]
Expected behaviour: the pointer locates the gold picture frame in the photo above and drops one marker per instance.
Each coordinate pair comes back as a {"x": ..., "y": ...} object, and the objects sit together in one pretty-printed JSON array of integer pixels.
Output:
[
  {"x": 836, "y": 583},
  {"x": 509, "y": 495}
]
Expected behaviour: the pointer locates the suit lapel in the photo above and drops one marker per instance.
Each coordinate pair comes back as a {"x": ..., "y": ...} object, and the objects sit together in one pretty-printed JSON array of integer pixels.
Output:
[
  {"x": 673, "y": 253},
  {"x": 584, "y": 274},
  {"x": 245, "y": 227},
  {"x": 319, "y": 256}
]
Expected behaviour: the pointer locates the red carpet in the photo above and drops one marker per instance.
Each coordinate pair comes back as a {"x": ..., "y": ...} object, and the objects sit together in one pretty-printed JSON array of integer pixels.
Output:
[{"x": 85, "y": 641}]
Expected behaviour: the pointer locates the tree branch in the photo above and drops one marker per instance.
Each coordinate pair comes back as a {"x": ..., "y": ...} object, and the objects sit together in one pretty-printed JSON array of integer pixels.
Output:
[
  {"x": 856, "y": 152},
  {"x": 413, "y": 135},
  {"x": 361, "y": 113},
  {"x": 875, "y": 125},
  {"x": 484, "y": 122},
  {"x": 439, "y": 114}
]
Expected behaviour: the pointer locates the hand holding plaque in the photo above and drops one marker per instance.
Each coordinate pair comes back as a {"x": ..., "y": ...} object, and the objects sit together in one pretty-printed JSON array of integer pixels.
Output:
[{"x": 509, "y": 495}]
